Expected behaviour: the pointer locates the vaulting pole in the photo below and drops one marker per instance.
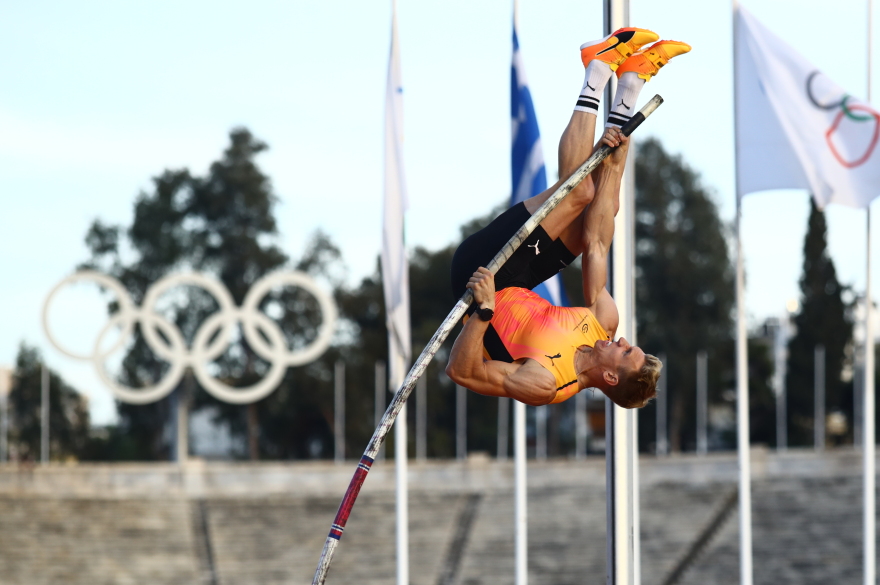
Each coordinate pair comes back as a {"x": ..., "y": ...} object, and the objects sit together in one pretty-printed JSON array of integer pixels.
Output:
[{"x": 421, "y": 364}]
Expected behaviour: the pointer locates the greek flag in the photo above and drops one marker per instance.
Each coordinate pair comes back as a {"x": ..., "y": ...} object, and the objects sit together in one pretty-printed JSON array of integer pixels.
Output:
[{"x": 527, "y": 157}]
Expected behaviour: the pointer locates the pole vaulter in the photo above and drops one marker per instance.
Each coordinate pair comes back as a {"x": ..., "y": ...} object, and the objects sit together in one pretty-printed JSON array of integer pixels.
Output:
[{"x": 421, "y": 364}]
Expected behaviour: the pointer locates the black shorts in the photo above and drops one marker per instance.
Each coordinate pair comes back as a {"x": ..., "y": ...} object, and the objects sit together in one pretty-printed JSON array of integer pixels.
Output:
[{"x": 536, "y": 260}]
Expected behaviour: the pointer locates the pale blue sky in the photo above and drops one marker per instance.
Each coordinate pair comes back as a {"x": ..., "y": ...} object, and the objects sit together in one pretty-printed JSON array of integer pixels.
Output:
[{"x": 97, "y": 97}]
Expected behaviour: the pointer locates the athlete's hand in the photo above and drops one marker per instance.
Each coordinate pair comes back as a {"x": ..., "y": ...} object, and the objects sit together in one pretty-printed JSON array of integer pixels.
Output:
[
  {"x": 483, "y": 285},
  {"x": 614, "y": 137}
]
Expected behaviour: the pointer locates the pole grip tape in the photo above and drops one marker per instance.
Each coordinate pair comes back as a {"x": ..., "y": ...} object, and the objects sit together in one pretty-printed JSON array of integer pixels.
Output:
[
  {"x": 632, "y": 124},
  {"x": 640, "y": 116},
  {"x": 351, "y": 494}
]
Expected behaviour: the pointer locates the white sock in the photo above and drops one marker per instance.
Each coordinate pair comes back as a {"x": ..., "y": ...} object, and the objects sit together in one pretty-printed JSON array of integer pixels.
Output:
[
  {"x": 596, "y": 78},
  {"x": 624, "y": 105}
]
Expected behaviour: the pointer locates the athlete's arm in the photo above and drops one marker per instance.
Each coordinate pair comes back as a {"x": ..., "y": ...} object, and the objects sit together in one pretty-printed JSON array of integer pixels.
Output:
[
  {"x": 525, "y": 380},
  {"x": 599, "y": 232}
]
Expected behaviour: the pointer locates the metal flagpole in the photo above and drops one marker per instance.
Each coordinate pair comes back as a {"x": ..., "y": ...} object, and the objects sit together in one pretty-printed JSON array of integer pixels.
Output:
[
  {"x": 662, "y": 444},
  {"x": 742, "y": 415},
  {"x": 580, "y": 421},
  {"x": 460, "y": 422},
  {"x": 632, "y": 414},
  {"x": 421, "y": 419},
  {"x": 520, "y": 490},
  {"x": 742, "y": 380},
  {"x": 819, "y": 398},
  {"x": 520, "y": 514},
  {"x": 870, "y": 545},
  {"x": 622, "y": 545},
  {"x": 780, "y": 341},
  {"x": 381, "y": 382},
  {"x": 401, "y": 500},
  {"x": 702, "y": 404},
  {"x": 44, "y": 414},
  {"x": 870, "y": 551},
  {"x": 503, "y": 428},
  {"x": 541, "y": 433},
  {"x": 339, "y": 412},
  {"x": 442, "y": 333},
  {"x": 5, "y": 389}
]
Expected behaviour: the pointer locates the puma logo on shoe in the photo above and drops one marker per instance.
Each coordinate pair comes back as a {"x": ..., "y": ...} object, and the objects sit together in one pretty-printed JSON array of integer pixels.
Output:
[
  {"x": 623, "y": 104},
  {"x": 619, "y": 39},
  {"x": 537, "y": 251}
]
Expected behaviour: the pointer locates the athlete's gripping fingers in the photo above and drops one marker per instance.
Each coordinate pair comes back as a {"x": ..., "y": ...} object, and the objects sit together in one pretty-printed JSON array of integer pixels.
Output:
[
  {"x": 483, "y": 284},
  {"x": 612, "y": 136}
]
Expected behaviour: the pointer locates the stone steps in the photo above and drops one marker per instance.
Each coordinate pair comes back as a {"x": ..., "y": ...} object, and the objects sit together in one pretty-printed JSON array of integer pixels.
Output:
[{"x": 807, "y": 530}]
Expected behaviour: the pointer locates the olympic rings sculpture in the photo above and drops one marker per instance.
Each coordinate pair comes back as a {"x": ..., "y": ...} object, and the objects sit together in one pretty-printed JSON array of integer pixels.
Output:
[{"x": 211, "y": 340}]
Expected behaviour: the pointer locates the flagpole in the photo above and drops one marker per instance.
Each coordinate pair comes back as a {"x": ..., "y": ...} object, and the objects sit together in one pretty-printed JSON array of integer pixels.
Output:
[
  {"x": 868, "y": 431},
  {"x": 621, "y": 452},
  {"x": 395, "y": 284},
  {"x": 742, "y": 380},
  {"x": 520, "y": 488},
  {"x": 870, "y": 535}
]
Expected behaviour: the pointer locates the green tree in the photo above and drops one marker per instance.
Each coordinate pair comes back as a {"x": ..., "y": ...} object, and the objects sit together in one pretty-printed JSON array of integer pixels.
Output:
[
  {"x": 823, "y": 319},
  {"x": 68, "y": 412},
  {"x": 221, "y": 223},
  {"x": 684, "y": 289}
]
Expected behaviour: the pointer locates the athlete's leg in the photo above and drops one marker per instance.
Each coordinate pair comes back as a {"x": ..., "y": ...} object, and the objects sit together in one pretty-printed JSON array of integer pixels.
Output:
[
  {"x": 632, "y": 75},
  {"x": 600, "y": 58}
]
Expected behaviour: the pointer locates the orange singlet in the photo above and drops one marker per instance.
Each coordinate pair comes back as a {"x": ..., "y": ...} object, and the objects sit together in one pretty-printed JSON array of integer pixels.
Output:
[{"x": 531, "y": 327}]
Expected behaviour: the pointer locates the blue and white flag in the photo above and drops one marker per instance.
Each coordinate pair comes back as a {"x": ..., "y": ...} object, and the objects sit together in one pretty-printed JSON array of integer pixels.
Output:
[{"x": 527, "y": 157}]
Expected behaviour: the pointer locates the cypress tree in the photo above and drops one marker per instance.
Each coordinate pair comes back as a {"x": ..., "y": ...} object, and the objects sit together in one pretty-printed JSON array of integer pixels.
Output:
[{"x": 823, "y": 318}]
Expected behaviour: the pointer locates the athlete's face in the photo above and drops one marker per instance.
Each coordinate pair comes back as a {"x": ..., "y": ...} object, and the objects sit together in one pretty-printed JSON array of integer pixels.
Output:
[{"x": 615, "y": 355}]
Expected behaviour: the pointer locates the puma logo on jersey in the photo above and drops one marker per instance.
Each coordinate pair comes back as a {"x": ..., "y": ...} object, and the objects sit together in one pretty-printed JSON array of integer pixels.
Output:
[
  {"x": 553, "y": 357},
  {"x": 537, "y": 251}
]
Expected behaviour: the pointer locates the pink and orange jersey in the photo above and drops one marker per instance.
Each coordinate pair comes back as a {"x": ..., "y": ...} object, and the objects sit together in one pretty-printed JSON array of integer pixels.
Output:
[{"x": 531, "y": 327}]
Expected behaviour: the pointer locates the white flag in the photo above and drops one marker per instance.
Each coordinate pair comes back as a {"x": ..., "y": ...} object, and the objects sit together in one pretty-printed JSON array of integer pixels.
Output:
[
  {"x": 795, "y": 128},
  {"x": 395, "y": 268}
]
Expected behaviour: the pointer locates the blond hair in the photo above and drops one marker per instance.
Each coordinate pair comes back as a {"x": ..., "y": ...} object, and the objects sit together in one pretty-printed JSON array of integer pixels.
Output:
[{"x": 638, "y": 387}]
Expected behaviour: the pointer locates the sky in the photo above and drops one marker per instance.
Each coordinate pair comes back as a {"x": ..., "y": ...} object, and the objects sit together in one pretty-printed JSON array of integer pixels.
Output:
[{"x": 96, "y": 98}]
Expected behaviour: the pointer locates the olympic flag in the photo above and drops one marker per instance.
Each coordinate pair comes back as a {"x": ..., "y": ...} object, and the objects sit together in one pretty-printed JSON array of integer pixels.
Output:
[
  {"x": 795, "y": 128},
  {"x": 395, "y": 280},
  {"x": 527, "y": 156}
]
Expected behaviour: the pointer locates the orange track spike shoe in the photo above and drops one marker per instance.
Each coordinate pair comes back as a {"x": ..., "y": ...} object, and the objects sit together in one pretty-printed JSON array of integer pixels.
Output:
[
  {"x": 617, "y": 47},
  {"x": 649, "y": 60}
]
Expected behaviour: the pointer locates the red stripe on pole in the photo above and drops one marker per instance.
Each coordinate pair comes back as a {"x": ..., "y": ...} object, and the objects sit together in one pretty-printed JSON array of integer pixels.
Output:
[{"x": 351, "y": 494}]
